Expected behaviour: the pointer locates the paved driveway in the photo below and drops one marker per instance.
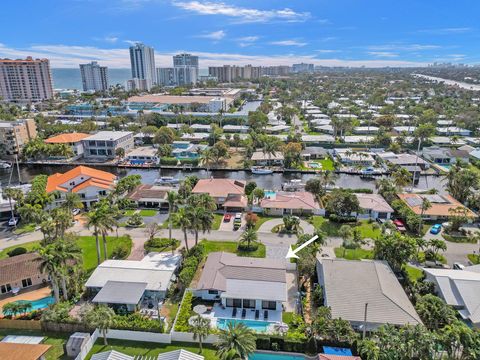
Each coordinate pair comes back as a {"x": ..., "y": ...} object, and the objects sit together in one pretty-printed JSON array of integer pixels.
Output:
[{"x": 267, "y": 226}]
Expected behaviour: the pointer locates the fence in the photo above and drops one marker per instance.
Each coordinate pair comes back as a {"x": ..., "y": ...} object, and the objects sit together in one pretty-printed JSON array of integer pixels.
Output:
[
  {"x": 188, "y": 337},
  {"x": 88, "y": 346},
  {"x": 20, "y": 324},
  {"x": 139, "y": 336}
]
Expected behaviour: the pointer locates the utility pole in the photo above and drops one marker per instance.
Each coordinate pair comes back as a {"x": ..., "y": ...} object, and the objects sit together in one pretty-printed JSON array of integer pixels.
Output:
[{"x": 365, "y": 321}]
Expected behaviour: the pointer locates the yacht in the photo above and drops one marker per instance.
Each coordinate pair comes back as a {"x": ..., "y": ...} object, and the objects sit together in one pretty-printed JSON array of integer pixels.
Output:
[
  {"x": 258, "y": 170},
  {"x": 167, "y": 180},
  {"x": 293, "y": 185}
]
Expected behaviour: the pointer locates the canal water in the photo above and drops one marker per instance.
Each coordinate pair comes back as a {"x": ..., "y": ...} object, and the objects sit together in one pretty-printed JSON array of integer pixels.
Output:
[{"x": 272, "y": 181}]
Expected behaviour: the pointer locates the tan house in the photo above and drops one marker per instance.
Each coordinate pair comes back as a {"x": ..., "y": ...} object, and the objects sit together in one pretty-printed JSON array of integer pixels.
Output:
[
  {"x": 20, "y": 272},
  {"x": 283, "y": 203},
  {"x": 222, "y": 190},
  {"x": 373, "y": 206},
  {"x": 74, "y": 140}
]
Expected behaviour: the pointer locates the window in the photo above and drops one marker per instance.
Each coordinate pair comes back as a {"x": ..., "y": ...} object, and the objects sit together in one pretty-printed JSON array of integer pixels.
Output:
[
  {"x": 5, "y": 288},
  {"x": 249, "y": 304},
  {"x": 212, "y": 292},
  {"x": 269, "y": 305},
  {"x": 234, "y": 302},
  {"x": 26, "y": 282}
]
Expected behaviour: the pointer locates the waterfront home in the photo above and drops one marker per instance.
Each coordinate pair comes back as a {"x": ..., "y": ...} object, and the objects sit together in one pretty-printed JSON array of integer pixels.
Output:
[
  {"x": 373, "y": 206},
  {"x": 354, "y": 158},
  {"x": 261, "y": 158},
  {"x": 445, "y": 140},
  {"x": 314, "y": 153},
  {"x": 73, "y": 140},
  {"x": 133, "y": 284},
  {"x": 363, "y": 130},
  {"x": 15, "y": 351},
  {"x": 452, "y": 131},
  {"x": 150, "y": 196},
  {"x": 201, "y": 128},
  {"x": 364, "y": 292},
  {"x": 21, "y": 272},
  {"x": 143, "y": 155},
  {"x": 441, "y": 208},
  {"x": 459, "y": 289},
  {"x": 90, "y": 184},
  {"x": 404, "y": 129},
  {"x": 221, "y": 190},
  {"x": 243, "y": 129},
  {"x": 104, "y": 144},
  {"x": 187, "y": 150},
  {"x": 243, "y": 285},
  {"x": 444, "y": 156},
  {"x": 289, "y": 203},
  {"x": 403, "y": 159},
  {"x": 170, "y": 355},
  {"x": 195, "y": 137}
]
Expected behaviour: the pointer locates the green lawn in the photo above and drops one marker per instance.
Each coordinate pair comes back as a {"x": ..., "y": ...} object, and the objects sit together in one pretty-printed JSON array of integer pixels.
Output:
[
  {"x": 367, "y": 229},
  {"x": 143, "y": 212},
  {"x": 327, "y": 164},
  {"x": 413, "y": 273},
  {"x": 231, "y": 247},
  {"x": 459, "y": 239},
  {"x": 25, "y": 228},
  {"x": 135, "y": 348},
  {"x": 217, "y": 220},
  {"x": 56, "y": 340},
  {"x": 353, "y": 254},
  {"x": 129, "y": 212},
  {"x": 88, "y": 246},
  {"x": 475, "y": 259}
]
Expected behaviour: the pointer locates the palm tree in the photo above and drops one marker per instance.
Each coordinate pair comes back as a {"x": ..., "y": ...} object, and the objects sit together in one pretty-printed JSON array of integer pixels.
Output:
[
  {"x": 61, "y": 220},
  {"x": 201, "y": 219},
  {"x": 200, "y": 329},
  {"x": 328, "y": 179},
  {"x": 172, "y": 198},
  {"x": 67, "y": 251},
  {"x": 236, "y": 338},
  {"x": 13, "y": 194},
  {"x": 183, "y": 220},
  {"x": 249, "y": 236},
  {"x": 94, "y": 219},
  {"x": 426, "y": 204},
  {"x": 101, "y": 317},
  {"x": 51, "y": 264},
  {"x": 72, "y": 201},
  {"x": 206, "y": 158}
]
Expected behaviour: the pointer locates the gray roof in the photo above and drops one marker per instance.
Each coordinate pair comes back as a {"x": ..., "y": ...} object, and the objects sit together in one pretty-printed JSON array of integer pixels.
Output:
[
  {"x": 111, "y": 355},
  {"x": 179, "y": 355},
  {"x": 108, "y": 135},
  {"x": 349, "y": 285},
  {"x": 119, "y": 292}
]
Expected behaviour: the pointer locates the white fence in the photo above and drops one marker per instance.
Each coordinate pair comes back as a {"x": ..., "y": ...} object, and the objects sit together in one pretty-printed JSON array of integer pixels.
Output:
[
  {"x": 188, "y": 337},
  {"x": 139, "y": 336},
  {"x": 88, "y": 346}
]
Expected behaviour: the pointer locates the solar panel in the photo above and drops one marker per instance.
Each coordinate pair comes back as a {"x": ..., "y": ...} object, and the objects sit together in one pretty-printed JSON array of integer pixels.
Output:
[
  {"x": 414, "y": 201},
  {"x": 435, "y": 199}
]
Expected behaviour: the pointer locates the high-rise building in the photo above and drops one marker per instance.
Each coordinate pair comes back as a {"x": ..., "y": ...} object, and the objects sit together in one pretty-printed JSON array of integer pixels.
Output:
[
  {"x": 186, "y": 69},
  {"x": 142, "y": 61},
  {"x": 136, "y": 84},
  {"x": 94, "y": 77},
  {"x": 25, "y": 80},
  {"x": 229, "y": 73},
  {"x": 166, "y": 77},
  {"x": 303, "y": 68},
  {"x": 14, "y": 135}
]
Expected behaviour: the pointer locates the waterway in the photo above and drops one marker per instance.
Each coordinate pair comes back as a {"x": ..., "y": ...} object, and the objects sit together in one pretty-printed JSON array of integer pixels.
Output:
[
  {"x": 272, "y": 181},
  {"x": 460, "y": 84}
]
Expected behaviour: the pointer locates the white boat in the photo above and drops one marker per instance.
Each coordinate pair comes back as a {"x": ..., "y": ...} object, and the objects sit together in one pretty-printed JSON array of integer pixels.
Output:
[
  {"x": 293, "y": 185},
  {"x": 167, "y": 180},
  {"x": 5, "y": 165},
  {"x": 257, "y": 170}
]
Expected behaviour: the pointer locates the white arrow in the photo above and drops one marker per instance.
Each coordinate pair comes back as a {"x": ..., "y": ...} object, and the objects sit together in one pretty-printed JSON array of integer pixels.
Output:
[{"x": 293, "y": 253}]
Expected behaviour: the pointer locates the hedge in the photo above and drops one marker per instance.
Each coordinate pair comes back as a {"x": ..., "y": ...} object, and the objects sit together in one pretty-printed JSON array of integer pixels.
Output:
[
  {"x": 342, "y": 219},
  {"x": 193, "y": 162},
  {"x": 277, "y": 343},
  {"x": 136, "y": 322},
  {"x": 190, "y": 264},
  {"x": 168, "y": 161},
  {"x": 161, "y": 244},
  {"x": 184, "y": 313}
]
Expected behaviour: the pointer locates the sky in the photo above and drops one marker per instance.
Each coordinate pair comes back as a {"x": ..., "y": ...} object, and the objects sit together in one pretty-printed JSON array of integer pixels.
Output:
[{"x": 372, "y": 33}]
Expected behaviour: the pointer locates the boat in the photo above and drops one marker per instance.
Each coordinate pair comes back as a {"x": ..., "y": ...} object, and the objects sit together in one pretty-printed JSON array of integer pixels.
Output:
[
  {"x": 167, "y": 180},
  {"x": 5, "y": 165},
  {"x": 257, "y": 170},
  {"x": 293, "y": 185}
]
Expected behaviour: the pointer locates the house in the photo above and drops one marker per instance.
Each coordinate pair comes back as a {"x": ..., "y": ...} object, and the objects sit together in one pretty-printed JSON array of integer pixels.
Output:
[
  {"x": 104, "y": 144},
  {"x": 14, "y": 351},
  {"x": 73, "y": 140},
  {"x": 222, "y": 190},
  {"x": 244, "y": 283},
  {"x": 403, "y": 159},
  {"x": 327, "y": 129},
  {"x": 235, "y": 129},
  {"x": 277, "y": 129},
  {"x": 404, "y": 129},
  {"x": 459, "y": 289},
  {"x": 441, "y": 206},
  {"x": 143, "y": 155},
  {"x": 187, "y": 150},
  {"x": 355, "y": 290},
  {"x": 452, "y": 131},
  {"x": 90, "y": 184},
  {"x": 442, "y": 156},
  {"x": 150, "y": 196},
  {"x": 170, "y": 355},
  {"x": 350, "y": 158},
  {"x": 283, "y": 203},
  {"x": 317, "y": 139},
  {"x": 373, "y": 206},
  {"x": 363, "y": 130},
  {"x": 21, "y": 272},
  {"x": 261, "y": 158},
  {"x": 131, "y": 284},
  {"x": 314, "y": 153}
]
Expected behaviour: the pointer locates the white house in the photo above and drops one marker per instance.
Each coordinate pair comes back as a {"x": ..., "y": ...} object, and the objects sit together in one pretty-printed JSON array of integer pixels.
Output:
[
  {"x": 373, "y": 206},
  {"x": 143, "y": 155},
  {"x": 104, "y": 144}
]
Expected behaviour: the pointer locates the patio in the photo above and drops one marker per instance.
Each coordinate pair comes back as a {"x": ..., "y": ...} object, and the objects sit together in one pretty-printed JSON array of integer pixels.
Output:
[{"x": 26, "y": 295}]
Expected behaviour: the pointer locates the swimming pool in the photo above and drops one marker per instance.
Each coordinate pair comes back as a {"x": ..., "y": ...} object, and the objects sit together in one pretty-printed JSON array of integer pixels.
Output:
[
  {"x": 314, "y": 165},
  {"x": 37, "y": 304},
  {"x": 272, "y": 356},
  {"x": 337, "y": 351},
  {"x": 270, "y": 194},
  {"x": 257, "y": 326}
]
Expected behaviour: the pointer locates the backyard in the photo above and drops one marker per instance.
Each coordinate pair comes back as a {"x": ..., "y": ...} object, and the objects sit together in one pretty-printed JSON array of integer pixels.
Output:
[{"x": 324, "y": 164}]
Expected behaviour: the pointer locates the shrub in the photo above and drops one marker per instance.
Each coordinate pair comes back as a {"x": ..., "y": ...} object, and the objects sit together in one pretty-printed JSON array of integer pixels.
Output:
[
  {"x": 121, "y": 251},
  {"x": 193, "y": 162},
  {"x": 184, "y": 313},
  {"x": 135, "y": 220},
  {"x": 244, "y": 247},
  {"x": 160, "y": 244},
  {"x": 311, "y": 346},
  {"x": 17, "y": 251},
  {"x": 136, "y": 322},
  {"x": 341, "y": 219},
  {"x": 168, "y": 161},
  {"x": 263, "y": 343},
  {"x": 186, "y": 275}
]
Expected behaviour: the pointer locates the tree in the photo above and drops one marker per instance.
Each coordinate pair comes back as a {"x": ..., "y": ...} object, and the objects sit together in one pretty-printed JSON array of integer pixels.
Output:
[
  {"x": 72, "y": 201},
  {"x": 152, "y": 229},
  {"x": 120, "y": 152},
  {"x": 458, "y": 217},
  {"x": 183, "y": 220},
  {"x": 249, "y": 236},
  {"x": 292, "y": 154},
  {"x": 396, "y": 249},
  {"x": 200, "y": 329},
  {"x": 258, "y": 194},
  {"x": 102, "y": 221},
  {"x": 250, "y": 187},
  {"x": 316, "y": 187},
  {"x": 172, "y": 198},
  {"x": 435, "y": 245},
  {"x": 164, "y": 135},
  {"x": 433, "y": 311},
  {"x": 206, "y": 158},
  {"x": 251, "y": 219},
  {"x": 342, "y": 203},
  {"x": 127, "y": 184},
  {"x": 426, "y": 204},
  {"x": 257, "y": 121},
  {"x": 346, "y": 234},
  {"x": 238, "y": 338},
  {"x": 291, "y": 224},
  {"x": 13, "y": 194},
  {"x": 101, "y": 317},
  {"x": 51, "y": 264},
  {"x": 460, "y": 181},
  {"x": 460, "y": 341}
]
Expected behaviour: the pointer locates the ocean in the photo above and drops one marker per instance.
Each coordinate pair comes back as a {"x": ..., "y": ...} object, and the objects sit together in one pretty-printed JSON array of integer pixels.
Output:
[{"x": 71, "y": 79}]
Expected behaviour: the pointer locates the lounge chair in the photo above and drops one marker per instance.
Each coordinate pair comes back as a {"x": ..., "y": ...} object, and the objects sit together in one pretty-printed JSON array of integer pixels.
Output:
[
  {"x": 244, "y": 313},
  {"x": 257, "y": 314},
  {"x": 265, "y": 315},
  {"x": 234, "y": 312}
]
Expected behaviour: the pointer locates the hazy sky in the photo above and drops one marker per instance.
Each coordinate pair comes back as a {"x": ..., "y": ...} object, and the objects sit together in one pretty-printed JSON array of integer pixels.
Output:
[{"x": 325, "y": 32}]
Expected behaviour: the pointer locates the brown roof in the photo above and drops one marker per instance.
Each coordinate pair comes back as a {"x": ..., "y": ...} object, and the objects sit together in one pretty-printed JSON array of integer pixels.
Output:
[
  {"x": 219, "y": 187},
  {"x": 337, "y": 357},
  {"x": 441, "y": 204},
  {"x": 290, "y": 200},
  {"x": 146, "y": 191},
  {"x": 13, "y": 351},
  {"x": 19, "y": 267},
  {"x": 236, "y": 201},
  {"x": 67, "y": 138}
]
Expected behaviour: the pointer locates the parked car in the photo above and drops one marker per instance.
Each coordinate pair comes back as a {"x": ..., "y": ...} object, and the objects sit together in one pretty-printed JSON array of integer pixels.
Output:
[
  {"x": 13, "y": 221},
  {"x": 238, "y": 217},
  {"x": 75, "y": 212},
  {"x": 458, "y": 266},
  {"x": 227, "y": 217},
  {"x": 399, "y": 225},
  {"x": 435, "y": 229}
]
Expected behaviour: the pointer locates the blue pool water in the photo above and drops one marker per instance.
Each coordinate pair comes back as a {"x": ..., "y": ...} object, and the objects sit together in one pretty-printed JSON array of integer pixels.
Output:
[
  {"x": 270, "y": 194},
  {"x": 270, "y": 356},
  {"x": 38, "y": 304},
  {"x": 337, "y": 351},
  {"x": 257, "y": 326}
]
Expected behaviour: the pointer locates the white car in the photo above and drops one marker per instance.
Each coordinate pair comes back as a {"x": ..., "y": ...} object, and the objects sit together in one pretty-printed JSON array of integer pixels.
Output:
[
  {"x": 75, "y": 212},
  {"x": 13, "y": 221}
]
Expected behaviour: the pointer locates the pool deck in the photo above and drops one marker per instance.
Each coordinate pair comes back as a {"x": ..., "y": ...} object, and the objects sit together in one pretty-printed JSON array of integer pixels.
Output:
[
  {"x": 217, "y": 312},
  {"x": 30, "y": 295}
]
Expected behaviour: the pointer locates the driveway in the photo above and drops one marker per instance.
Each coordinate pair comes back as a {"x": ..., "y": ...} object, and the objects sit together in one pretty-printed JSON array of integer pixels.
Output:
[{"x": 267, "y": 226}]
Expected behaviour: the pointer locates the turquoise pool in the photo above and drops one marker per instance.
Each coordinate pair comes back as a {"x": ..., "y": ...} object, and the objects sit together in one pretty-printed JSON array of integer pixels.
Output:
[
  {"x": 337, "y": 351},
  {"x": 270, "y": 356},
  {"x": 257, "y": 326},
  {"x": 37, "y": 304},
  {"x": 270, "y": 194}
]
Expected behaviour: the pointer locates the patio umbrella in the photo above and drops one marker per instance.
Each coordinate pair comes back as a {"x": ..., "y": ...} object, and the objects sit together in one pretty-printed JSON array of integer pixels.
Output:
[{"x": 199, "y": 309}]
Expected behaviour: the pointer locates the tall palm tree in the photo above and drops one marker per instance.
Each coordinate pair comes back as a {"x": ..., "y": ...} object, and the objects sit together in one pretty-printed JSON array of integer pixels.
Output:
[
  {"x": 94, "y": 219},
  {"x": 426, "y": 204},
  {"x": 51, "y": 264},
  {"x": 328, "y": 178},
  {"x": 183, "y": 220},
  {"x": 236, "y": 338},
  {"x": 72, "y": 201},
  {"x": 206, "y": 158},
  {"x": 62, "y": 219},
  {"x": 172, "y": 198},
  {"x": 13, "y": 194},
  {"x": 200, "y": 329},
  {"x": 66, "y": 251}
]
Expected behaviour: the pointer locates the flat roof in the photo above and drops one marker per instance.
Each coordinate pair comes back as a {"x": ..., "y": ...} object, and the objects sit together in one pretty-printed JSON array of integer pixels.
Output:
[
  {"x": 121, "y": 292},
  {"x": 172, "y": 99},
  {"x": 108, "y": 135}
]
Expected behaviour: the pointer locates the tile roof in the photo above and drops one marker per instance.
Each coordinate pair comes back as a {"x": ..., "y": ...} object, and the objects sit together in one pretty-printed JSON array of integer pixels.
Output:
[
  {"x": 219, "y": 187},
  {"x": 350, "y": 284},
  {"x": 290, "y": 200},
  {"x": 146, "y": 191},
  {"x": 19, "y": 267},
  {"x": 441, "y": 204},
  {"x": 98, "y": 178},
  {"x": 13, "y": 351},
  {"x": 373, "y": 202},
  {"x": 67, "y": 138}
]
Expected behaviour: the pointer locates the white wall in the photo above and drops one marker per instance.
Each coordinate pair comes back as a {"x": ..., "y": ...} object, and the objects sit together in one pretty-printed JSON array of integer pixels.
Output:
[
  {"x": 188, "y": 337},
  {"x": 139, "y": 336},
  {"x": 88, "y": 346}
]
